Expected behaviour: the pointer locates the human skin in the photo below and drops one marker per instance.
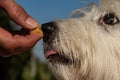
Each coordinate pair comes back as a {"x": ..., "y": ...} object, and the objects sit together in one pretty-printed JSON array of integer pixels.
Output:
[{"x": 15, "y": 44}]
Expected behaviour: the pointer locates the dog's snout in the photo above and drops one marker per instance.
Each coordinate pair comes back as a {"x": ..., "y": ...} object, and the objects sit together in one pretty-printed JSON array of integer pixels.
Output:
[{"x": 48, "y": 29}]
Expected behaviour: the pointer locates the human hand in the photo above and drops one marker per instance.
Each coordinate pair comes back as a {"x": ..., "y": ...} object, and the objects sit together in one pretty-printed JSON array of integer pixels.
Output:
[{"x": 13, "y": 44}]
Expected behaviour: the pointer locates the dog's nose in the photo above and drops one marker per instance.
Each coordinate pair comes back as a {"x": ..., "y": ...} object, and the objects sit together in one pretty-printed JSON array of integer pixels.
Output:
[{"x": 48, "y": 29}]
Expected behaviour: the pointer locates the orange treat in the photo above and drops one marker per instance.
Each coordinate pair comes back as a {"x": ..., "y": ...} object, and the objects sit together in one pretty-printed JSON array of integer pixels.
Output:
[{"x": 37, "y": 30}]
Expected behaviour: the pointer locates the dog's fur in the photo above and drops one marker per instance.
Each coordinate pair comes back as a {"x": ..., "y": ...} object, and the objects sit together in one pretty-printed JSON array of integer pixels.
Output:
[{"x": 91, "y": 46}]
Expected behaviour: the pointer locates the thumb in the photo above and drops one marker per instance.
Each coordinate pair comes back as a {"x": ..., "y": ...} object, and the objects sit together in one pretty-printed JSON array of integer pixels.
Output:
[{"x": 18, "y": 14}]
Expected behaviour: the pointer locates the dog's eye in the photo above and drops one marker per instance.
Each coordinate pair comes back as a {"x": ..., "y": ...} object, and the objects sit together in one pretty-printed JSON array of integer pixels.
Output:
[{"x": 110, "y": 19}]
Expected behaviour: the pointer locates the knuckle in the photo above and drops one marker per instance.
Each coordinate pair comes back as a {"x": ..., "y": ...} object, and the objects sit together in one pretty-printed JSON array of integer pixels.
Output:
[{"x": 17, "y": 11}]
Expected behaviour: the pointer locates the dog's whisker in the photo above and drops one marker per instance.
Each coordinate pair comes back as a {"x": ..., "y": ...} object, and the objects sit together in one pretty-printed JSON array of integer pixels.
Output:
[{"x": 86, "y": 47}]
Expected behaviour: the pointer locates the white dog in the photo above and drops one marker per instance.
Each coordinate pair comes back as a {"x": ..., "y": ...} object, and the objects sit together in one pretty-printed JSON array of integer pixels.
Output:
[{"x": 88, "y": 47}]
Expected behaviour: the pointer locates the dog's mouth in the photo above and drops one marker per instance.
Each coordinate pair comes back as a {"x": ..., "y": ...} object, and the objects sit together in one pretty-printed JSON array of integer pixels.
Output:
[{"x": 54, "y": 56}]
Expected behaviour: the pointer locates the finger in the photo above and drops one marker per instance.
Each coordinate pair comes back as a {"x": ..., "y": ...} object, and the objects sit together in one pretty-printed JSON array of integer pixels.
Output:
[
  {"x": 18, "y": 14},
  {"x": 25, "y": 42},
  {"x": 17, "y": 43},
  {"x": 4, "y": 51}
]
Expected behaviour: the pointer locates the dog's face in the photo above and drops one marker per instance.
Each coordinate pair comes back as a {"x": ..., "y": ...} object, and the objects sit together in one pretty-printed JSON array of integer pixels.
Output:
[{"x": 88, "y": 47}]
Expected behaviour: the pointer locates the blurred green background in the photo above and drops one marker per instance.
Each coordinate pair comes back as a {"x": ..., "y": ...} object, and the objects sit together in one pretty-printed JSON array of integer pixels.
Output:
[{"x": 24, "y": 66}]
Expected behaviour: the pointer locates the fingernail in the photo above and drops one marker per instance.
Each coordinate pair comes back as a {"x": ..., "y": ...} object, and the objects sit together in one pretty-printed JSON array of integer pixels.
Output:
[{"x": 32, "y": 23}]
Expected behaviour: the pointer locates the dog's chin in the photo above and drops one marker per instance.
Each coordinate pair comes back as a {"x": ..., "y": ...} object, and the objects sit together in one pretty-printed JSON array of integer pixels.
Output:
[{"x": 55, "y": 57}]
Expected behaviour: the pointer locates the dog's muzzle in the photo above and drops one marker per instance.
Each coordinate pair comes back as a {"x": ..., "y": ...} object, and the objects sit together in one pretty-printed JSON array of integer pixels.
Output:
[{"x": 50, "y": 31}]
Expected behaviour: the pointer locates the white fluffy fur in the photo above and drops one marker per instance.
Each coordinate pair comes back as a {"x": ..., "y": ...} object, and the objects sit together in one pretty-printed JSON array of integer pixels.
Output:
[{"x": 96, "y": 52}]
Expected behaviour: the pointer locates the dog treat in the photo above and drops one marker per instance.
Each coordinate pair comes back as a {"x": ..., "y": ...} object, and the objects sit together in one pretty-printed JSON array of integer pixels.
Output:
[{"x": 37, "y": 30}]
